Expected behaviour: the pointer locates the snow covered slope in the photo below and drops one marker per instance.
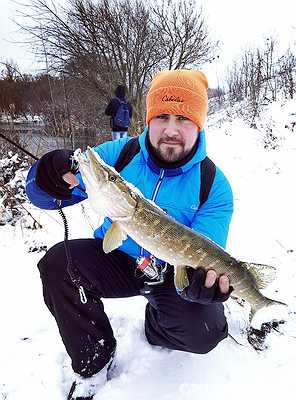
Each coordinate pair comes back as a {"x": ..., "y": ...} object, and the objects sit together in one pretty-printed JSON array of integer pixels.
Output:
[{"x": 34, "y": 364}]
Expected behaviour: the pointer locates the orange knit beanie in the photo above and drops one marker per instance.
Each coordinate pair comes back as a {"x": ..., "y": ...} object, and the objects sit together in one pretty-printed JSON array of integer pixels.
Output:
[{"x": 178, "y": 92}]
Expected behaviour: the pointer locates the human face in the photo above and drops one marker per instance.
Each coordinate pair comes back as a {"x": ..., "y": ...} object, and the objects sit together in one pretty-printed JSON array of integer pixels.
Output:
[{"x": 172, "y": 136}]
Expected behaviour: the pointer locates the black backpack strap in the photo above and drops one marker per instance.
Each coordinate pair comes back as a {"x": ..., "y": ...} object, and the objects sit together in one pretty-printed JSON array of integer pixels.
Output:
[
  {"x": 207, "y": 175},
  {"x": 128, "y": 152}
]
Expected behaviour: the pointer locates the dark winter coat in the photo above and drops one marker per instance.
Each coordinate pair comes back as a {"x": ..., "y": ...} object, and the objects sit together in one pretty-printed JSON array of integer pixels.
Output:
[{"x": 112, "y": 108}]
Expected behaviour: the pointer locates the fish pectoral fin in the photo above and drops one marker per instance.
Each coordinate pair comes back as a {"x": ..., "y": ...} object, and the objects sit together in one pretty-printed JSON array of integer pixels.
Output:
[
  {"x": 181, "y": 279},
  {"x": 262, "y": 274},
  {"x": 114, "y": 237},
  {"x": 101, "y": 219}
]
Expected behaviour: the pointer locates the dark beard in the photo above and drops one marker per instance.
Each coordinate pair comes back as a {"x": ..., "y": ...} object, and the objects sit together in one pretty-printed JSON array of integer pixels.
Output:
[
  {"x": 170, "y": 154},
  {"x": 157, "y": 157}
]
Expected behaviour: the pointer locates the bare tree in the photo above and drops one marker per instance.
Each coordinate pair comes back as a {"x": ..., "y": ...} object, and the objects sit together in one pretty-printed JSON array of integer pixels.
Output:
[
  {"x": 183, "y": 34},
  {"x": 287, "y": 73},
  {"x": 269, "y": 69},
  {"x": 255, "y": 77},
  {"x": 235, "y": 83},
  {"x": 10, "y": 90},
  {"x": 99, "y": 45}
]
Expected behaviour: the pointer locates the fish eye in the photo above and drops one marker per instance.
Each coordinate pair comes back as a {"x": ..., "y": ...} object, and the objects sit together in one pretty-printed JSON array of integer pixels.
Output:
[{"x": 112, "y": 178}]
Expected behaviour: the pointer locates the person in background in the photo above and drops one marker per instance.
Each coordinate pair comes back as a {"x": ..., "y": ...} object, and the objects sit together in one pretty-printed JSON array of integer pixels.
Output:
[
  {"x": 168, "y": 170},
  {"x": 120, "y": 112}
]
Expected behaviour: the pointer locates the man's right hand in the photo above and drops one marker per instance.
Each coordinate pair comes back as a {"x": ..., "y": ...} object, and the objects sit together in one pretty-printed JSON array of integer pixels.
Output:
[
  {"x": 55, "y": 174},
  {"x": 206, "y": 287}
]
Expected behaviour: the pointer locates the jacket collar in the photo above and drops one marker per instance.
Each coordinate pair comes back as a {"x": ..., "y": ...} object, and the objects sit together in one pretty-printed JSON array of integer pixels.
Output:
[{"x": 197, "y": 157}]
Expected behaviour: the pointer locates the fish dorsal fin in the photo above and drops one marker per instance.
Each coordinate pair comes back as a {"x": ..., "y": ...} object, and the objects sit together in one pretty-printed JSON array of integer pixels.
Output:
[
  {"x": 263, "y": 274},
  {"x": 114, "y": 237}
]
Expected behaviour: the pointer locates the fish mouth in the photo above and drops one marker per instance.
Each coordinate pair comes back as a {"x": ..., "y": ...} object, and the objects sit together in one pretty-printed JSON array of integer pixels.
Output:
[
  {"x": 99, "y": 173},
  {"x": 90, "y": 168},
  {"x": 104, "y": 187}
]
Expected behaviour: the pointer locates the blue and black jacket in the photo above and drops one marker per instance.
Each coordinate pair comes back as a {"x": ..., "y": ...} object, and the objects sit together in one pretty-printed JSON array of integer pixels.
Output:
[{"x": 175, "y": 190}]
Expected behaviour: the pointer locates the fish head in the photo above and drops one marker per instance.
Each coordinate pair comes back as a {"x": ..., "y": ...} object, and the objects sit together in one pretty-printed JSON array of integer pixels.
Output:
[{"x": 108, "y": 193}]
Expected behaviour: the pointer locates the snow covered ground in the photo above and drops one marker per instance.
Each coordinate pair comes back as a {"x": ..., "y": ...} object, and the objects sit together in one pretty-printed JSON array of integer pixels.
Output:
[{"x": 34, "y": 364}]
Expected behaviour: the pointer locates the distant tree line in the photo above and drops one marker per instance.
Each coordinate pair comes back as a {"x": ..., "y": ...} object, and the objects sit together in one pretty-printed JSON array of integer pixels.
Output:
[
  {"x": 90, "y": 47},
  {"x": 22, "y": 94},
  {"x": 260, "y": 76}
]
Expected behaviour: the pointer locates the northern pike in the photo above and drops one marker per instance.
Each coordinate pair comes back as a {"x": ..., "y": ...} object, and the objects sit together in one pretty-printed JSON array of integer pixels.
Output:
[{"x": 161, "y": 235}]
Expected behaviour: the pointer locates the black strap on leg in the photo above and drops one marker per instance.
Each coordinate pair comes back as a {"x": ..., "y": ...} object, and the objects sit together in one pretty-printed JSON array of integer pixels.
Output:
[{"x": 73, "y": 272}]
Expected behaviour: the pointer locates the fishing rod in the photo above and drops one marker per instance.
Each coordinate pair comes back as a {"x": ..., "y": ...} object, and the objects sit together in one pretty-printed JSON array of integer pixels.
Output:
[
  {"x": 72, "y": 270},
  {"x": 18, "y": 146}
]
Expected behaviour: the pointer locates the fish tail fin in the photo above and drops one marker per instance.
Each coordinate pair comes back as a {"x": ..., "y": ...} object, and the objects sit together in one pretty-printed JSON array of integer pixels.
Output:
[
  {"x": 267, "y": 311},
  {"x": 181, "y": 279},
  {"x": 262, "y": 274}
]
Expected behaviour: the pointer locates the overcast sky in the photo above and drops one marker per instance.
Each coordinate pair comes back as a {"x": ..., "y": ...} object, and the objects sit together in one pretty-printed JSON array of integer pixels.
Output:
[{"x": 236, "y": 23}]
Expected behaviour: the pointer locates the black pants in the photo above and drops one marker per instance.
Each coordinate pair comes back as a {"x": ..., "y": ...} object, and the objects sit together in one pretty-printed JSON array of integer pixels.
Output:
[{"x": 85, "y": 329}]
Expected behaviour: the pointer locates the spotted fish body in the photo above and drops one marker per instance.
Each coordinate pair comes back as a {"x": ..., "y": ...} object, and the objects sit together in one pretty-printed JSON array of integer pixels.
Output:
[{"x": 161, "y": 235}]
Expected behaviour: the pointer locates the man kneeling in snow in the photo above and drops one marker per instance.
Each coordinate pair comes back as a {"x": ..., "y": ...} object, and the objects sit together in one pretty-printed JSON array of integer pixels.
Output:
[{"x": 168, "y": 166}]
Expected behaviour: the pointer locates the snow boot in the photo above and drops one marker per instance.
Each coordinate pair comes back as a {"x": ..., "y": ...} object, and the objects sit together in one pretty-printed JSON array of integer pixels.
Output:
[{"x": 86, "y": 388}]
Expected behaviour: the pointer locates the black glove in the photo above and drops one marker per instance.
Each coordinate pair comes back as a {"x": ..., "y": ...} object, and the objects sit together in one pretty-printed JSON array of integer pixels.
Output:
[
  {"x": 51, "y": 167},
  {"x": 198, "y": 293}
]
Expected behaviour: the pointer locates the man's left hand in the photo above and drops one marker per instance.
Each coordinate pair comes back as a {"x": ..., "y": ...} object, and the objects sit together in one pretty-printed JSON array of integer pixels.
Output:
[{"x": 205, "y": 287}]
